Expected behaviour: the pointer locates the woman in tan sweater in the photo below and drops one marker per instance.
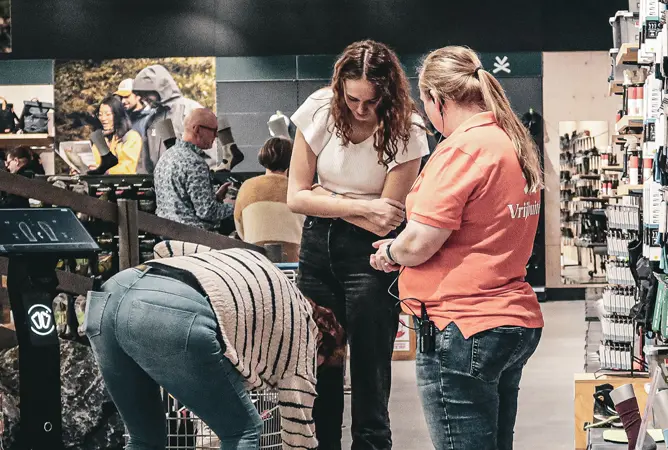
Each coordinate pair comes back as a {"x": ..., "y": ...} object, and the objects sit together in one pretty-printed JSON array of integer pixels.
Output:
[
  {"x": 261, "y": 213},
  {"x": 208, "y": 325}
]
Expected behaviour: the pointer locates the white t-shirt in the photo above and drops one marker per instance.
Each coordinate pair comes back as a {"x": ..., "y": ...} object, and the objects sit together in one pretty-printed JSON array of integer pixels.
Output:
[{"x": 352, "y": 169}]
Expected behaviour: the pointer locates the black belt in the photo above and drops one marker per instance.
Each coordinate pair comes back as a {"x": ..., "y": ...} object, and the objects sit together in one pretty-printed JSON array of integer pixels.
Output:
[{"x": 173, "y": 272}]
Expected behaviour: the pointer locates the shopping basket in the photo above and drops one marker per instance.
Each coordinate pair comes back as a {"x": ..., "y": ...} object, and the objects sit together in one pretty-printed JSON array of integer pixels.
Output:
[{"x": 185, "y": 431}]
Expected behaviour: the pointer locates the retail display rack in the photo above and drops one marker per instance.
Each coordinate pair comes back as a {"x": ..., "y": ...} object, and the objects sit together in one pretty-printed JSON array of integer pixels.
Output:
[
  {"x": 630, "y": 318},
  {"x": 106, "y": 234},
  {"x": 588, "y": 179}
]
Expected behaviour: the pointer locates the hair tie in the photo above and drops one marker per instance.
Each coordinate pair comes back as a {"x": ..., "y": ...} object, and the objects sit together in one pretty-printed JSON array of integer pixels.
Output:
[{"x": 478, "y": 69}]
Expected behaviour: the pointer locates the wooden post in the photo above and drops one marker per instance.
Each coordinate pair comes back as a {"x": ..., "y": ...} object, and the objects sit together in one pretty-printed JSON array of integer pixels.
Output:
[{"x": 128, "y": 231}]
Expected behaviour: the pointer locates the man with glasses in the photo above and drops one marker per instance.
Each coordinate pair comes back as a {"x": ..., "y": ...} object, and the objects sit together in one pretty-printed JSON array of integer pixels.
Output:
[{"x": 183, "y": 188}]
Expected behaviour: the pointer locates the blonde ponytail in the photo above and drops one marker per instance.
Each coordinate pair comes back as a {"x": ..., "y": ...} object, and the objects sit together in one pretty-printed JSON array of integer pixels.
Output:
[
  {"x": 496, "y": 101},
  {"x": 455, "y": 73}
]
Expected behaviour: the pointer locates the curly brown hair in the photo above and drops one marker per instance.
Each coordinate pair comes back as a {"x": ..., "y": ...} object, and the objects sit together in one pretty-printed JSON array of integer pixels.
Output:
[{"x": 378, "y": 64}]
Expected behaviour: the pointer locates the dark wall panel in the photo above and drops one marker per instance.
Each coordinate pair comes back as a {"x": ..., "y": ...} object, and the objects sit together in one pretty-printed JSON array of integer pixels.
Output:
[
  {"x": 26, "y": 71},
  {"x": 524, "y": 93},
  {"x": 98, "y": 29},
  {"x": 254, "y": 96},
  {"x": 101, "y": 29}
]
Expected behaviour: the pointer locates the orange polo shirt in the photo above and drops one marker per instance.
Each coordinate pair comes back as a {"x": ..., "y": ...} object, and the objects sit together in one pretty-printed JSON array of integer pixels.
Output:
[{"x": 473, "y": 185}]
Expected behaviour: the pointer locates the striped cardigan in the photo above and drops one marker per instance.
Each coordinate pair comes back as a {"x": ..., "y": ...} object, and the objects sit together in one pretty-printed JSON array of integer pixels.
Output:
[{"x": 266, "y": 326}]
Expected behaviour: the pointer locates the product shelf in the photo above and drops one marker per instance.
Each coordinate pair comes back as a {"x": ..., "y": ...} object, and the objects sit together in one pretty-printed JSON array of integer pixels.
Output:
[
  {"x": 29, "y": 139},
  {"x": 615, "y": 88},
  {"x": 628, "y": 54},
  {"x": 623, "y": 189},
  {"x": 629, "y": 122},
  {"x": 619, "y": 139}
]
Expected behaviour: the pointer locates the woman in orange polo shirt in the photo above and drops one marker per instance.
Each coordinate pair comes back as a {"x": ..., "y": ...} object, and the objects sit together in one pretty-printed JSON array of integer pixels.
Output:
[{"x": 472, "y": 217}]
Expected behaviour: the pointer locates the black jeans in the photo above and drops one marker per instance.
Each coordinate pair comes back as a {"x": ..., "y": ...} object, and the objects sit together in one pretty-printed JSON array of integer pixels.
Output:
[
  {"x": 468, "y": 387},
  {"x": 335, "y": 273}
]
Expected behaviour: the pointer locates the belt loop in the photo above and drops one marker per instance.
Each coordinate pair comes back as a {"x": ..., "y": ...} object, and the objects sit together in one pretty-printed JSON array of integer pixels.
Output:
[{"x": 143, "y": 268}]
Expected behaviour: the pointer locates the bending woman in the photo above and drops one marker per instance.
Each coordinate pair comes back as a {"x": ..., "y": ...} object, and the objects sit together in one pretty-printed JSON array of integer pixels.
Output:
[
  {"x": 472, "y": 219},
  {"x": 363, "y": 139},
  {"x": 207, "y": 327}
]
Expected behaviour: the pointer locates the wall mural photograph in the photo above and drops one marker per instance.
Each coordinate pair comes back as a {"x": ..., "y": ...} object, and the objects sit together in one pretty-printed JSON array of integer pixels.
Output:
[
  {"x": 5, "y": 26},
  {"x": 113, "y": 109}
]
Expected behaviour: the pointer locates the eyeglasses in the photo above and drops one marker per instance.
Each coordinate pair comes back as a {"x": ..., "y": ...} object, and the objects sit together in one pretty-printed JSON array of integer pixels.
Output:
[{"x": 213, "y": 130}]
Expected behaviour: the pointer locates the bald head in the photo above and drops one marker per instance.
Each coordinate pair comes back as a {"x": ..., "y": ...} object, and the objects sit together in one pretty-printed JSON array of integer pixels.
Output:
[
  {"x": 200, "y": 128},
  {"x": 201, "y": 117}
]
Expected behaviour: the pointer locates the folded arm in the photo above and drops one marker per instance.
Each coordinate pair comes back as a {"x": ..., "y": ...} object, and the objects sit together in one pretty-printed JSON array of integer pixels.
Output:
[
  {"x": 302, "y": 200},
  {"x": 414, "y": 246}
]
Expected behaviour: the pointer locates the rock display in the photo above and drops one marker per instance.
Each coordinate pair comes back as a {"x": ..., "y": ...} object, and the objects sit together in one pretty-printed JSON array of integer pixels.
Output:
[{"x": 90, "y": 419}]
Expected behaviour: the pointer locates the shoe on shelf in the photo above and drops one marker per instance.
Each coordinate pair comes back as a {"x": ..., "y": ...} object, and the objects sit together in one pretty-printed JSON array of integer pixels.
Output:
[{"x": 604, "y": 407}]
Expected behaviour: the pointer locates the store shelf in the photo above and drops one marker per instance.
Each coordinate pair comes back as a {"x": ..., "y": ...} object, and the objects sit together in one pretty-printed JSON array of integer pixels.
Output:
[
  {"x": 628, "y": 54},
  {"x": 590, "y": 199},
  {"x": 594, "y": 176},
  {"x": 623, "y": 189},
  {"x": 612, "y": 168},
  {"x": 615, "y": 88},
  {"x": 623, "y": 138},
  {"x": 629, "y": 122},
  {"x": 36, "y": 140}
]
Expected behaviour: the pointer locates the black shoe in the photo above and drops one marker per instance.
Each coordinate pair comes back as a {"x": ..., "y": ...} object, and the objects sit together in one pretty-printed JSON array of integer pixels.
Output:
[{"x": 604, "y": 408}]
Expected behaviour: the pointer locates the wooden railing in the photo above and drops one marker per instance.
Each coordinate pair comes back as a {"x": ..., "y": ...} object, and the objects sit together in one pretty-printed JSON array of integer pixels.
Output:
[{"x": 124, "y": 213}]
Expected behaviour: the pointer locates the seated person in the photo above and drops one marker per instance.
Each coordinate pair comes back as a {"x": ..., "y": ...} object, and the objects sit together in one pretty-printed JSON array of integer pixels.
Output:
[
  {"x": 124, "y": 143},
  {"x": 183, "y": 189},
  {"x": 207, "y": 328},
  {"x": 20, "y": 161},
  {"x": 261, "y": 212}
]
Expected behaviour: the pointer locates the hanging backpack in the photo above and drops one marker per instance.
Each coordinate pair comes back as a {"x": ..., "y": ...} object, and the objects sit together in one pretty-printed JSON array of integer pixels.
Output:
[
  {"x": 34, "y": 118},
  {"x": 7, "y": 117}
]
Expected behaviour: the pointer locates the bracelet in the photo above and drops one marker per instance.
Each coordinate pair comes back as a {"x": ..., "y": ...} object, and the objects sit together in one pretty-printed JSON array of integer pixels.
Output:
[
  {"x": 316, "y": 185},
  {"x": 389, "y": 254}
]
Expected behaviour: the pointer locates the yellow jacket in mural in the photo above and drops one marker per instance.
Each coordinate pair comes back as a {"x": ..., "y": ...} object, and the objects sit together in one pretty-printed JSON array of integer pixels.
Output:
[{"x": 127, "y": 150}]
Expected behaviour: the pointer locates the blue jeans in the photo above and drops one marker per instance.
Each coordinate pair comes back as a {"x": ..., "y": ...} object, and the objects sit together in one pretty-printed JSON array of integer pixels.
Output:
[
  {"x": 334, "y": 272},
  {"x": 469, "y": 387},
  {"x": 148, "y": 331}
]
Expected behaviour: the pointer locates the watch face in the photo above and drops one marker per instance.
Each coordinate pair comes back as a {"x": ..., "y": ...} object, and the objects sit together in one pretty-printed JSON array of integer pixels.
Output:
[{"x": 37, "y": 230}]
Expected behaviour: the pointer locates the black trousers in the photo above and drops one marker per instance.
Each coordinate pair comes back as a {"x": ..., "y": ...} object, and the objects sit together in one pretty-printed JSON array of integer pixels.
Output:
[{"x": 335, "y": 273}]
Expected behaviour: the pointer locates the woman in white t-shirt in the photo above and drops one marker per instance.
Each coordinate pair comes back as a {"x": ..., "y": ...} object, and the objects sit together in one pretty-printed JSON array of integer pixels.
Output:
[{"x": 363, "y": 139}]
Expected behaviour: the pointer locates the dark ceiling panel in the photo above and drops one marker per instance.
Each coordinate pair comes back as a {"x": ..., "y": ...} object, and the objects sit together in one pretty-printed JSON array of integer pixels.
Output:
[
  {"x": 579, "y": 24},
  {"x": 99, "y": 29}
]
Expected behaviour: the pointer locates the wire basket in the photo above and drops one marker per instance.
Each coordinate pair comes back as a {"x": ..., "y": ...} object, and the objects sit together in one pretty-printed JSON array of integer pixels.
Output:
[
  {"x": 185, "y": 431},
  {"x": 290, "y": 270}
]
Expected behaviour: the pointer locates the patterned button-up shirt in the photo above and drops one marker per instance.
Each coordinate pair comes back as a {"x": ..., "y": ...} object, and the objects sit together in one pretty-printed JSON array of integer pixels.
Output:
[{"x": 183, "y": 189}]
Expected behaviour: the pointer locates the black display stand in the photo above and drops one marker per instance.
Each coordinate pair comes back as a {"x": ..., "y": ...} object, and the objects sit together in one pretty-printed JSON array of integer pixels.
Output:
[{"x": 34, "y": 240}]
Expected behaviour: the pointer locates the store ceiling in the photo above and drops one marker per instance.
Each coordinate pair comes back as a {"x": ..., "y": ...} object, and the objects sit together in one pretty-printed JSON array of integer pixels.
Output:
[{"x": 131, "y": 28}]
